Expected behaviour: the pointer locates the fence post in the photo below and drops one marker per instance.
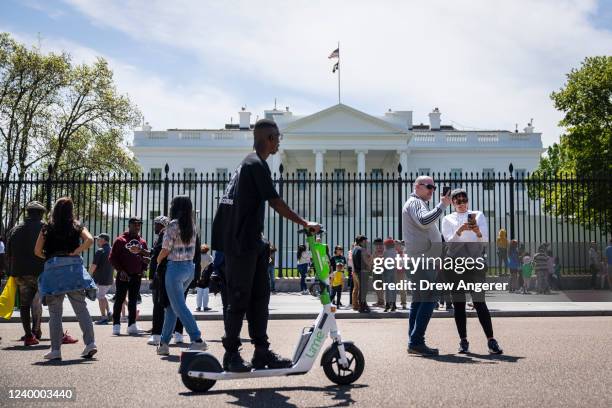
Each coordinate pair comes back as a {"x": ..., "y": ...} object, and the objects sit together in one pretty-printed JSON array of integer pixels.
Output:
[
  {"x": 48, "y": 186},
  {"x": 280, "y": 239},
  {"x": 511, "y": 184},
  {"x": 399, "y": 201},
  {"x": 166, "y": 189}
]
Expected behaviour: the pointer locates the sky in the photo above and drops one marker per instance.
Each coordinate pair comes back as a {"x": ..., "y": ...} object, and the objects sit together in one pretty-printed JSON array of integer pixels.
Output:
[{"x": 486, "y": 64}]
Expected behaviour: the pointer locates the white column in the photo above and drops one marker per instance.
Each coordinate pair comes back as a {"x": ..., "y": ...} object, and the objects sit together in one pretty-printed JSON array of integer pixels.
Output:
[
  {"x": 319, "y": 169},
  {"x": 361, "y": 171},
  {"x": 403, "y": 159}
]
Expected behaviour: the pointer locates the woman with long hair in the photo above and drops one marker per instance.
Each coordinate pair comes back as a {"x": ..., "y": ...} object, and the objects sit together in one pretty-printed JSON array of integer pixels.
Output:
[
  {"x": 61, "y": 243},
  {"x": 179, "y": 246},
  {"x": 501, "y": 245}
]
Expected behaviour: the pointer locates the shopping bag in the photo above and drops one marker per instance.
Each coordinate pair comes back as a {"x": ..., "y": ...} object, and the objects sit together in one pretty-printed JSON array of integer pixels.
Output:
[{"x": 7, "y": 298}]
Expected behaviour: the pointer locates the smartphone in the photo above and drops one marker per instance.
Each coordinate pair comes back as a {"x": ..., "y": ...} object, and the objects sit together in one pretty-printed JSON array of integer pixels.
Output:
[
  {"x": 471, "y": 219},
  {"x": 446, "y": 190}
]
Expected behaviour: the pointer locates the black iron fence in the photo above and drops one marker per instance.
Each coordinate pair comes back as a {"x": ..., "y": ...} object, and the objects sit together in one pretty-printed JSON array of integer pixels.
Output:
[{"x": 347, "y": 204}]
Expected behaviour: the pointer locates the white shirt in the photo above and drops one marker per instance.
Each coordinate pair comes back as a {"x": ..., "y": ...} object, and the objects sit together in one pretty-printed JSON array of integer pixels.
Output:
[
  {"x": 452, "y": 222},
  {"x": 207, "y": 259},
  {"x": 305, "y": 258}
]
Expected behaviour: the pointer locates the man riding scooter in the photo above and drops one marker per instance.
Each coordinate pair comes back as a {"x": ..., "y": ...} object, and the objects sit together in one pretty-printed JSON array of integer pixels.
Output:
[{"x": 238, "y": 232}]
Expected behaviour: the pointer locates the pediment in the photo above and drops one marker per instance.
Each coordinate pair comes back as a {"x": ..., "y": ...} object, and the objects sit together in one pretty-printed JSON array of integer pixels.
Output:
[{"x": 340, "y": 119}]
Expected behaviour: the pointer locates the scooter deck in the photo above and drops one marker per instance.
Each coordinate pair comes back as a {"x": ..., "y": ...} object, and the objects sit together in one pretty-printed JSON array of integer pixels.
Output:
[{"x": 228, "y": 375}]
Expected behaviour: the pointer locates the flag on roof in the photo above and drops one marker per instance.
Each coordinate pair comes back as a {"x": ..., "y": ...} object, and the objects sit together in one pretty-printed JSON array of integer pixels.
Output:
[{"x": 335, "y": 54}]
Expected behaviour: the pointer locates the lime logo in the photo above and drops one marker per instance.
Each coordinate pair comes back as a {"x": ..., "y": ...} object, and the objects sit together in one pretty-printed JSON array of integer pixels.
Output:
[{"x": 319, "y": 337}]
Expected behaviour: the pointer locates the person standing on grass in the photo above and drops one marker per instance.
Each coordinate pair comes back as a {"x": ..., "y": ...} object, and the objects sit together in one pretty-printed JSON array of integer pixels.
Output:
[
  {"x": 179, "y": 246},
  {"x": 61, "y": 243},
  {"x": 102, "y": 273},
  {"x": 26, "y": 267},
  {"x": 128, "y": 258}
]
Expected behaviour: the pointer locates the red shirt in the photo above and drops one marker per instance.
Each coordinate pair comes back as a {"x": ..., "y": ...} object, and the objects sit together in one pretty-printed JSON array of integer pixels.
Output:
[{"x": 122, "y": 259}]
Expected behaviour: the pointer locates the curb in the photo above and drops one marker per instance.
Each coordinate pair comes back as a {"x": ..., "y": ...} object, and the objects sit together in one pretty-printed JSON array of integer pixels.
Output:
[{"x": 375, "y": 315}]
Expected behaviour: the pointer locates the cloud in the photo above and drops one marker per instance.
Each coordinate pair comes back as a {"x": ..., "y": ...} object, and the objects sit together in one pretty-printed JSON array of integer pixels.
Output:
[{"x": 484, "y": 65}]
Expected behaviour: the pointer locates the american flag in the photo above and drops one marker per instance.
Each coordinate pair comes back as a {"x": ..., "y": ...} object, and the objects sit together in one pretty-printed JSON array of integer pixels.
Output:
[{"x": 335, "y": 54}]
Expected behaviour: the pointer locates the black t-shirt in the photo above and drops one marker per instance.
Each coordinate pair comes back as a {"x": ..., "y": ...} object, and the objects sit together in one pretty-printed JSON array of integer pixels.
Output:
[
  {"x": 239, "y": 221},
  {"x": 62, "y": 241},
  {"x": 104, "y": 270}
]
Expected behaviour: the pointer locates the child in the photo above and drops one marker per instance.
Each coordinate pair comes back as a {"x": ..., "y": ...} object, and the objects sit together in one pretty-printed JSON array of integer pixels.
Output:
[
  {"x": 202, "y": 285},
  {"x": 526, "y": 271},
  {"x": 540, "y": 264},
  {"x": 337, "y": 282}
]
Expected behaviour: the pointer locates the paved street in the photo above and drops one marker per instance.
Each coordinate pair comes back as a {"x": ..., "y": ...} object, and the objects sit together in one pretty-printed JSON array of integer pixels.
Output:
[{"x": 548, "y": 362}]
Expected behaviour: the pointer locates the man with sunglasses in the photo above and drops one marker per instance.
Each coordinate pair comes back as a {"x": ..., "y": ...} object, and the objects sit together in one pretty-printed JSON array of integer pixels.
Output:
[
  {"x": 238, "y": 232},
  {"x": 422, "y": 240}
]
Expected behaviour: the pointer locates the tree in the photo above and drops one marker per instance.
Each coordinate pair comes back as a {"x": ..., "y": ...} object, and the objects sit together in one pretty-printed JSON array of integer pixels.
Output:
[
  {"x": 58, "y": 116},
  {"x": 584, "y": 151}
]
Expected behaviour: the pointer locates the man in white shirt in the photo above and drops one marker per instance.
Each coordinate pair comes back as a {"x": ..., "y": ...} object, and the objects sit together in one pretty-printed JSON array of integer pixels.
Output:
[{"x": 466, "y": 234}]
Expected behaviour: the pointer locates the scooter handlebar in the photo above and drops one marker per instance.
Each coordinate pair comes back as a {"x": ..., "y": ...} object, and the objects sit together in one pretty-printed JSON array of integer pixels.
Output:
[{"x": 308, "y": 231}]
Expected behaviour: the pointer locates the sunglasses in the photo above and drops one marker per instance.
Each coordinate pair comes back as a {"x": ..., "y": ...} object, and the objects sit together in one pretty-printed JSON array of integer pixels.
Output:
[
  {"x": 461, "y": 200},
  {"x": 429, "y": 186}
]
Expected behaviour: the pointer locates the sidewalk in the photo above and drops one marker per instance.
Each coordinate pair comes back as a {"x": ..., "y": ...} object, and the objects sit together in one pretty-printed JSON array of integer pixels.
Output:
[{"x": 297, "y": 306}]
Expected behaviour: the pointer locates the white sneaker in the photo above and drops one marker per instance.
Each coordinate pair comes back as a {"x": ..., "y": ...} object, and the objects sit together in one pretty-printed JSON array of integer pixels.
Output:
[
  {"x": 53, "y": 355},
  {"x": 116, "y": 329},
  {"x": 89, "y": 350},
  {"x": 132, "y": 329},
  {"x": 200, "y": 346},
  {"x": 178, "y": 338},
  {"x": 163, "y": 349},
  {"x": 154, "y": 340}
]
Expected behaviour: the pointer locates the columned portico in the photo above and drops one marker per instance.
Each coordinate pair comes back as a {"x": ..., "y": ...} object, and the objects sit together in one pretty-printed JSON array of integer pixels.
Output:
[{"x": 361, "y": 171}]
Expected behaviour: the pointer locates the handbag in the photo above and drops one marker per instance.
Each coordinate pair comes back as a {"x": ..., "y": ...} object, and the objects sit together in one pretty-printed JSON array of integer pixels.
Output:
[{"x": 7, "y": 298}]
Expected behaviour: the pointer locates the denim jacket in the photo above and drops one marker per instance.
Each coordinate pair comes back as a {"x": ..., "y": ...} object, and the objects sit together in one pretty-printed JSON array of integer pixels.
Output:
[{"x": 63, "y": 274}]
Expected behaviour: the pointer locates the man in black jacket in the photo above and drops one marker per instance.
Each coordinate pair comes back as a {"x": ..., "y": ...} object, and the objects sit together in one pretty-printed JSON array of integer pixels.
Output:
[{"x": 25, "y": 267}]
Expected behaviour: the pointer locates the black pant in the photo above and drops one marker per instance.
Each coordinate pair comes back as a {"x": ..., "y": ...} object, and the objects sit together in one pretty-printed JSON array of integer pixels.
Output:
[
  {"x": 131, "y": 289},
  {"x": 337, "y": 292},
  {"x": 247, "y": 292},
  {"x": 461, "y": 318},
  {"x": 158, "y": 315}
]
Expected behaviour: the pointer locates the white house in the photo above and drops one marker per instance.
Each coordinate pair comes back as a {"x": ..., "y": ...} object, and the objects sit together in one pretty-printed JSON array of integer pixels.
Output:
[{"x": 341, "y": 139}]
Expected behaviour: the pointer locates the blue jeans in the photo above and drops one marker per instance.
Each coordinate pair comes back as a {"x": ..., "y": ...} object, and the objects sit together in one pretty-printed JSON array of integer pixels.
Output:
[
  {"x": 179, "y": 275},
  {"x": 271, "y": 274},
  {"x": 303, "y": 270},
  {"x": 421, "y": 309}
]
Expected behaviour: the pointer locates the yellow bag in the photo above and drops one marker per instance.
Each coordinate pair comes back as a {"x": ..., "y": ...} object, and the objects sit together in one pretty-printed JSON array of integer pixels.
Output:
[{"x": 7, "y": 298}]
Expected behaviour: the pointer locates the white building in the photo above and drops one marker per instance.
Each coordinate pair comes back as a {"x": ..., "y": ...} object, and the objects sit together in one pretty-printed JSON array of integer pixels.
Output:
[{"x": 341, "y": 139}]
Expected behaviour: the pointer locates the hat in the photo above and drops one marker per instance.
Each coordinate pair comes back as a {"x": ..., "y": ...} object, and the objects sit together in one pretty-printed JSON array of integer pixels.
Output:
[
  {"x": 389, "y": 241},
  {"x": 135, "y": 220},
  {"x": 104, "y": 236},
  {"x": 161, "y": 220},
  {"x": 458, "y": 191},
  {"x": 35, "y": 205},
  {"x": 360, "y": 238}
]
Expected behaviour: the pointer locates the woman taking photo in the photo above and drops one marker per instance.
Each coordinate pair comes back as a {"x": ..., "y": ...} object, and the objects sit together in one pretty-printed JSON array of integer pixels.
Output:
[
  {"x": 466, "y": 235},
  {"x": 61, "y": 243},
  {"x": 179, "y": 246}
]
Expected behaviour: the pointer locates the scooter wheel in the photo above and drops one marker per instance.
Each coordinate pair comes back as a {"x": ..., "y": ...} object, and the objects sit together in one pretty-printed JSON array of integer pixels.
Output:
[
  {"x": 335, "y": 372},
  {"x": 200, "y": 363}
]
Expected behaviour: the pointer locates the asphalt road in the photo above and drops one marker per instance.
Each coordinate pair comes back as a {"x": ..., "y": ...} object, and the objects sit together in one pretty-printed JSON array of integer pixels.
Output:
[{"x": 548, "y": 362}]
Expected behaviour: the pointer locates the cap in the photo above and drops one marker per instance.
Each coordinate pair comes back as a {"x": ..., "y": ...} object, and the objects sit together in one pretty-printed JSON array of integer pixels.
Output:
[
  {"x": 135, "y": 220},
  {"x": 104, "y": 236},
  {"x": 360, "y": 238},
  {"x": 389, "y": 241},
  {"x": 457, "y": 192},
  {"x": 162, "y": 220},
  {"x": 35, "y": 205}
]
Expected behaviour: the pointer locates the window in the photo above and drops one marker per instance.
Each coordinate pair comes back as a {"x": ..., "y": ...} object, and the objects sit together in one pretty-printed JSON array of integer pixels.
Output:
[
  {"x": 155, "y": 174},
  {"x": 519, "y": 176},
  {"x": 221, "y": 175},
  {"x": 455, "y": 174},
  {"x": 377, "y": 174},
  {"x": 425, "y": 171},
  {"x": 189, "y": 176},
  {"x": 488, "y": 174},
  {"x": 301, "y": 177}
]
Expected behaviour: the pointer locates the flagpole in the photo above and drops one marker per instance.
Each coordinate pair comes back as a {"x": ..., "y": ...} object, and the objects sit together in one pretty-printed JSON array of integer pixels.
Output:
[{"x": 338, "y": 72}]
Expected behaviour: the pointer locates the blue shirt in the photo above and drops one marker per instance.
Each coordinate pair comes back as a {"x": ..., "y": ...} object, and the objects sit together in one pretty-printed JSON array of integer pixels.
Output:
[{"x": 609, "y": 254}]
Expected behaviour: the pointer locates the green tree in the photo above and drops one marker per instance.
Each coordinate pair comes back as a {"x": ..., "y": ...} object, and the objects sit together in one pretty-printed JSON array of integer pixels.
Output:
[
  {"x": 584, "y": 152},
  {"x": 58, "y": 117}
]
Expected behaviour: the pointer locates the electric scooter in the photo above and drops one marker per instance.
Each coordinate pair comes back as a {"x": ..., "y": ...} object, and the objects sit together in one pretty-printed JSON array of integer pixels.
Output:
[{"x": 342, "y": 361}]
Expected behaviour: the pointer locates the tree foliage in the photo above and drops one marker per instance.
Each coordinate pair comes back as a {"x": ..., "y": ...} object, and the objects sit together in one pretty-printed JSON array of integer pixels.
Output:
[{"x": 584, "y": 152}]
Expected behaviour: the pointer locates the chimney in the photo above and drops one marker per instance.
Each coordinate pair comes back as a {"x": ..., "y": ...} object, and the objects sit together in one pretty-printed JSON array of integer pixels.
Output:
[
  {"x": 529, "y": 128},
  {"x": 245, "y": 118},
  {"x": 434, "y": 119}
]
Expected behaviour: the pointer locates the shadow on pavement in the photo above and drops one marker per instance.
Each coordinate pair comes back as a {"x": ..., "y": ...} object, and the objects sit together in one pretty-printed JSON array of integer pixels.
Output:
[
  {"x": 272, "y": 396},
  {"x": 27, "y": 348},
  {"x": 172, "y": 359},
  {"x": 472, "y": 358},
  {"x": 52, "y": 363}
]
